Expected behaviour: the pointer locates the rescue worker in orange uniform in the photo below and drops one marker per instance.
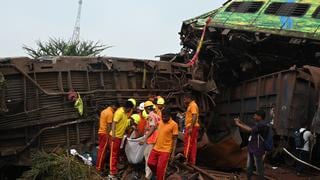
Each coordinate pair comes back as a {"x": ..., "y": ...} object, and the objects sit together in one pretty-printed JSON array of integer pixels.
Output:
[
  {"x": 120, "y": 123},
  {"x": 151, "y": 133},
  {"x": 192, "y": 128},
  {"x": 165, "y": 145},
  {"x": 105, "y": 122}
]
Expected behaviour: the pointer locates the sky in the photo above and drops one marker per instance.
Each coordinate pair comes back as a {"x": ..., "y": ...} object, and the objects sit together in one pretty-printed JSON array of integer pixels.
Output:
[{"x": 135, "y": 28}]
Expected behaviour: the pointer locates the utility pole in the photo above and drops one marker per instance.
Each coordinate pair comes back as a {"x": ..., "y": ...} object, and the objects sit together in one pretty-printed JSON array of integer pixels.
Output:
[{"x": 76, "y": 31}]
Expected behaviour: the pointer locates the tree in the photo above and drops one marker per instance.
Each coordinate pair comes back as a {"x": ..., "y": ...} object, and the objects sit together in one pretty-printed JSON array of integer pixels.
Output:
[{"x": 61, "y": 47}]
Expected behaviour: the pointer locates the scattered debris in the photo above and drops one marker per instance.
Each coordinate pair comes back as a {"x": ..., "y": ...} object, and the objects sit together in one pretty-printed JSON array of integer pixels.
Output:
[
  {"x": 236, "y": 69},
  {"x": 87, "y": 160},
  {"x": 59, "y": 166}
]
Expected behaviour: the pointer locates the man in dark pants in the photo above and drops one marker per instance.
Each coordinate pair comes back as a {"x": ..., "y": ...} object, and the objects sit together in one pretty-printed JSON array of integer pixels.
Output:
[
  {"x": 256, "y": 148},
  {"x": 303, "y": 152}
]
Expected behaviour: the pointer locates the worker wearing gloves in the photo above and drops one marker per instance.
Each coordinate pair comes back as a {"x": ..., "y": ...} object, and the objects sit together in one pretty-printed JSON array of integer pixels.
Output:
[
  {"x": 151, "y": 133},
  {"x": 165, "y": 146},
  {"x": 192, "y": 129},
  {"x": 121, "y": 122},
  {"x": 105, "y": 122}
]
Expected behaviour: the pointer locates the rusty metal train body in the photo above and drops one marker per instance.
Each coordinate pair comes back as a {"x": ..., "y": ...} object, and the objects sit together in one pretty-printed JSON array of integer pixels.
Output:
[
  {"x": 37, "y": 115},
  {"x": 238, "y": 71},
  {"x": 288, "y": 97},
  {"x": 36, "y": 112},
  {"x": 255, "y": 69}
]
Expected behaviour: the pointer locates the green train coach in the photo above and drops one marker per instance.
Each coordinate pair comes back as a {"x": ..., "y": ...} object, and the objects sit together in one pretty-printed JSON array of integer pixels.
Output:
[
  {"x": 295, "y": 18},
  {"x": 247, "y": 38}
]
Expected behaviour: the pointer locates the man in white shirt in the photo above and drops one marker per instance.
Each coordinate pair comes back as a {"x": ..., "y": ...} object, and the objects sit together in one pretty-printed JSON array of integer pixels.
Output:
[{"x": 304, "y": 151}]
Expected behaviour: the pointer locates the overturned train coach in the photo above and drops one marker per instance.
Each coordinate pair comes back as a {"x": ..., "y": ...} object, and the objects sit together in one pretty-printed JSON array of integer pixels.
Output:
[
  {"x": 37, "y": 112},
  {"x": 37, "y": 108},
  {"x": 243, "y": 65}
]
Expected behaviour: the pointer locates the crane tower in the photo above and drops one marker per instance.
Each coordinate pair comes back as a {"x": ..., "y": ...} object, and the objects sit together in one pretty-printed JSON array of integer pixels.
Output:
[{"x": 76, "y": 31}]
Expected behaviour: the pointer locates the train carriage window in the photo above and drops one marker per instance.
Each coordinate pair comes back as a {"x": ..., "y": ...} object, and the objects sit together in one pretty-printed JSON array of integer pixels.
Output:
[
  {"x": 244, "y": 7},
  {"x": 287, "y": 9},
  {"x": 316, "y": 14},
  {"x": 233, "y": 6}
]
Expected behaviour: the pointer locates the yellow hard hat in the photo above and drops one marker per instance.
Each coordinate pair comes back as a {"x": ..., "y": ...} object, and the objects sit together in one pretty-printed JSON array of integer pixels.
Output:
[
  {"x": 145, "y": 114},
  {"x": 160, "y": 100},
  {"x": 133, "y": 101},
  {"x": 148, "y": 103},
  {"x": 136, "y": 118}
]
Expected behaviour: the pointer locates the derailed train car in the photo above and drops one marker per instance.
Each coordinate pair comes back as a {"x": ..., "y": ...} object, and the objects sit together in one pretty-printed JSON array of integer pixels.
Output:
[
  {"x": 249, "y": 46},
  {"x": 245, "y": 39},
  {"x": 288, "y": 97},
  {"x": 240, "y": 44},
  {"x": 290, "y": 100},
  {"x": 36, "y": 113}
]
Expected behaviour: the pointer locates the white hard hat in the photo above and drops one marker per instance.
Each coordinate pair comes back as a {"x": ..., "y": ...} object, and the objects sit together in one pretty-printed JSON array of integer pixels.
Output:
[{"x": 141, "y": 106}]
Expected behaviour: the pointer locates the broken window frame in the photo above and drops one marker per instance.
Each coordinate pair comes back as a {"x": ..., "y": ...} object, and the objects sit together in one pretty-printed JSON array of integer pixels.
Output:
[
  {"x": 245, "y": 7},
  {"x": 287, "y": 9}
]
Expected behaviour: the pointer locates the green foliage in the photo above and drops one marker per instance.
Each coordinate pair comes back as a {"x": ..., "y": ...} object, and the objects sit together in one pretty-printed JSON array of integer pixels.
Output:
[
  {"x": 63, "y": 167},
  {"x": 61, "y": 47}
]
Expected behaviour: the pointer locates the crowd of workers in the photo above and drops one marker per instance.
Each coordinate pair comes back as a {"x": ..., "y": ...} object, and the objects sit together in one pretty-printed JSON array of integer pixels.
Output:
[{"x": 153, "y": 121}]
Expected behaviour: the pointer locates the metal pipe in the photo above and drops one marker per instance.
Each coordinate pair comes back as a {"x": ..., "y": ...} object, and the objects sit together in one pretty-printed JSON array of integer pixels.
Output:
[{"x": 303, "y": 162}]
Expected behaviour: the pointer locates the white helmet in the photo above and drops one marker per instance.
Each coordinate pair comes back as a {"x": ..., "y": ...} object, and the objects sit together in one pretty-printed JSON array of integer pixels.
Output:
[{"x": 141, "y": 106}]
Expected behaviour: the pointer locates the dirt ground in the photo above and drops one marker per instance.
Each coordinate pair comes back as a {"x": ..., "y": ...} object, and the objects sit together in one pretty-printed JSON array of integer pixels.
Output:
[
  {"x": 289, "y": 174},
  {"x": 283, "y": 173},
  {"x": 271, "y": 173}
]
